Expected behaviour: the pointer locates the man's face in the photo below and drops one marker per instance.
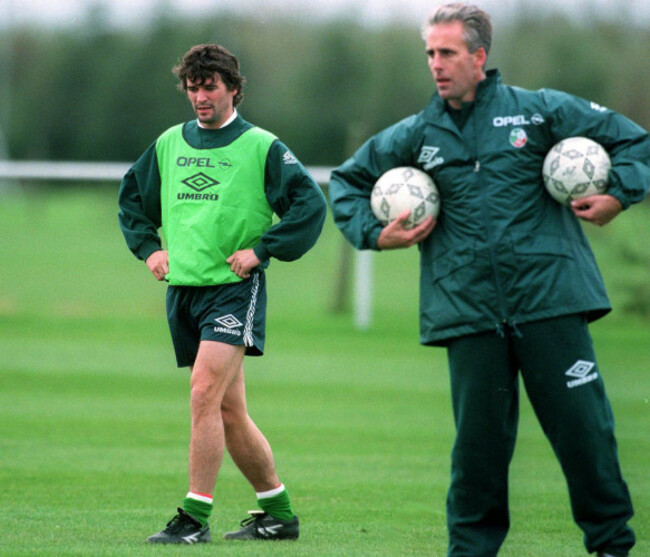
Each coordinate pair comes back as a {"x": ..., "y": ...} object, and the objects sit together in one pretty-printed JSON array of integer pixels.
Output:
[
  {"x": 455, "y": 70},
  {"x": 212, "y": 101}
]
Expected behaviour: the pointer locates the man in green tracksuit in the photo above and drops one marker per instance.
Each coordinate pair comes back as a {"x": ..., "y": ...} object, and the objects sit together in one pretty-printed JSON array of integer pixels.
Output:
[
  {"x": 213, "y": 185},
  {"x": 508, "y": 280}
]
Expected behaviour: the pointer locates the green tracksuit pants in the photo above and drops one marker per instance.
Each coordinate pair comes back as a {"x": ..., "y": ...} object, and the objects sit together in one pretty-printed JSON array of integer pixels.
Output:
[{"x": 558, "y": 367}]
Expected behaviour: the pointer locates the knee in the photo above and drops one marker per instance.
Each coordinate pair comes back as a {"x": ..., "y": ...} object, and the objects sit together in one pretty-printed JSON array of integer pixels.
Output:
[
  {"x": 203, "y": 399},
  {"x": 233, "y": 415}
]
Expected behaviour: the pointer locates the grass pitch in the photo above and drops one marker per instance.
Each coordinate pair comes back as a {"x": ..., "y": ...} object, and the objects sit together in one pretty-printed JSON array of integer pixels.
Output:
[{"x": 94, "y": 417}]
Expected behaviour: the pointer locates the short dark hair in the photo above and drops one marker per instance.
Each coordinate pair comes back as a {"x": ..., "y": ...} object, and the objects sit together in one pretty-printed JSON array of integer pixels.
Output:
[
  {"x": 476, "y": 24},
  {"x": 203, "y": 61}
]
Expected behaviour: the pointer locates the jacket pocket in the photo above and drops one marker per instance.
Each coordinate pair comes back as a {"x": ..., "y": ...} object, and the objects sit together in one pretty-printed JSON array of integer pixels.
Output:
[
  {"x": 451, "y": 262},
  {"x": 543, "y": 277},
  {"x": 542, "y": 245}
]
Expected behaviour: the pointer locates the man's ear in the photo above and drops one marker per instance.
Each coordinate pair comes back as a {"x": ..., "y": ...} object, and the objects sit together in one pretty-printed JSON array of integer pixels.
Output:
[{"x": 480, "y": 56}]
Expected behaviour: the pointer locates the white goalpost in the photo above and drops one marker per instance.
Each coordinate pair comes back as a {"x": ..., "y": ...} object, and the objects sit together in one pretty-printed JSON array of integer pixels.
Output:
[
  {"x": 93, "y": 171},
  {"x": 363, "y": 289}
]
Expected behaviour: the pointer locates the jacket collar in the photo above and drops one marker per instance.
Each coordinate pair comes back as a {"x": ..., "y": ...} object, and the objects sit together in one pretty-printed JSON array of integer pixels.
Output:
[
  {"x": 485, "y": 91},
  {"x": 202, "y": 138}
]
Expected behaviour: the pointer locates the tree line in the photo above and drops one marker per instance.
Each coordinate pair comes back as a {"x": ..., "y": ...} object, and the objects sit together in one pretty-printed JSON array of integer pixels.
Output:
[{"x": 95, "y": 93}]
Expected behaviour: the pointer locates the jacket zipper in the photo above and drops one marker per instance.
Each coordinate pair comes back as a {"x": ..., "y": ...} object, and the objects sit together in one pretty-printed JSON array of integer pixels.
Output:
[{"x": 499, "y": 326}]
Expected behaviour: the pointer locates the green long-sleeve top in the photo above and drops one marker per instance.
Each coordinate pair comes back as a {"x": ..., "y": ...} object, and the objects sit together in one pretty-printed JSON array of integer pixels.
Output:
[{"x": 213, "y": 192}]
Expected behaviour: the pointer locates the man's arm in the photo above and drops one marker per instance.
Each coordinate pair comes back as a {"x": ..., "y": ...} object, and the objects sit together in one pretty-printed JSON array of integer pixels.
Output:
[
  {"x": 597, "y": 209},
  {"x": 243, "y": 261},
  {"x": 351, "y": 186},
  {"x": 627, "y": 144},
  {"x": 395, "y": 236},
  {"x": 158, "y": 264},
  {"x": 299, "y": 202},
  {"x": 139, "y": 202}
]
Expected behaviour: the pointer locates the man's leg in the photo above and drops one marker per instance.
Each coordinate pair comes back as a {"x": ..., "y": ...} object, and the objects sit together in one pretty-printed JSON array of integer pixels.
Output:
[
  {"x": 216, "y": 367},
  {"x": 484, "y": 388},
  {"x": 252, "y": 454},
  {"x": 246, "y": 444},
  {"x": 565, "y": 387}
]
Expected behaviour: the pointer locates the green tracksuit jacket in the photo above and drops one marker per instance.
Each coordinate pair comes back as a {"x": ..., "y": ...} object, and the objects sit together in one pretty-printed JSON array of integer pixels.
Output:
[
  {"x": 214, "y": 192},
  {"x": 503, "y": 251}
]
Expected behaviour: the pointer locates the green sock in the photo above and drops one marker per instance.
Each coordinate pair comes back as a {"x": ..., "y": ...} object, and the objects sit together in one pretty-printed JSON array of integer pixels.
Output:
[
  {"x": 278, "y": 505},
  {"x": 198, "y": 509}
]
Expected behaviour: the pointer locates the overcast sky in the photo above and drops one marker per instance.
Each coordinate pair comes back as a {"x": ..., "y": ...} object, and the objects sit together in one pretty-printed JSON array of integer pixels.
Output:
[{"x": 71, "y": 12}]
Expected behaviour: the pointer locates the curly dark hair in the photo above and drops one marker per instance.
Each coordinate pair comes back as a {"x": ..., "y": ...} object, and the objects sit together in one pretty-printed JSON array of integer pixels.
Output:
[{"x": 201, "y": 62}]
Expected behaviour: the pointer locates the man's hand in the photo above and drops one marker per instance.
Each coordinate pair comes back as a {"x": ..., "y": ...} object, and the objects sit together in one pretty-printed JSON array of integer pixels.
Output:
[
  {"x": 242, "y": 261},
  {"x": 158, "y": 263},
  {"x": 395, "y": 236},
  {"x": 597, "y": 209}
]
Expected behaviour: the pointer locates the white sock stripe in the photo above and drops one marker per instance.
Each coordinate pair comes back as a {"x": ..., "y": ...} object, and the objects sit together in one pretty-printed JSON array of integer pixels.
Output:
[
  {"x": 199, "y": 497},
  {"x": 270, "y": 493}
]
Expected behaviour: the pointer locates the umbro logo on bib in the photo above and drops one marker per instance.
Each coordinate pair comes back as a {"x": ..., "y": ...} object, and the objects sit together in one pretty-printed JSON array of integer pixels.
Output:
[{"x": 200, "y": 182}]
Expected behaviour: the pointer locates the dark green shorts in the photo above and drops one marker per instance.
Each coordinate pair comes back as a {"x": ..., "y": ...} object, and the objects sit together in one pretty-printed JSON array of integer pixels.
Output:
[{"x": 229, "y": 313}]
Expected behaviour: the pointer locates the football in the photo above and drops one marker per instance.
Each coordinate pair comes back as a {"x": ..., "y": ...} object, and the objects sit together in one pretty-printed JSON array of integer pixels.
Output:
[
  {"x": 402, "y": 188},
  {"x": 576, "y": 167}
]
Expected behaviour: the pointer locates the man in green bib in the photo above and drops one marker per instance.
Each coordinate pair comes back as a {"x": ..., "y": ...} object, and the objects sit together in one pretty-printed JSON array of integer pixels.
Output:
[{"x": 213, "y": 185}]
